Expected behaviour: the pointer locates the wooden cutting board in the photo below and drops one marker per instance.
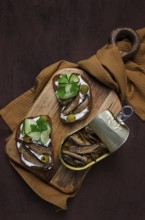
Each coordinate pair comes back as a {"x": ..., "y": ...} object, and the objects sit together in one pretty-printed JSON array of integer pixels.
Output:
[{"x": 103, "y": 98}]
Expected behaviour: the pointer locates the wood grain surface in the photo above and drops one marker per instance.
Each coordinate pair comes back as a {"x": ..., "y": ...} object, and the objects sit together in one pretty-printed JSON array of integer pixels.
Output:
[{"x": 103, "y": 98}]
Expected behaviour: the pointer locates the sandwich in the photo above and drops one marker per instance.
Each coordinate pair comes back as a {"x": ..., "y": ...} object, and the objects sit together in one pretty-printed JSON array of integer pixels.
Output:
[
  {"x": 73, "y": 93},
  {"x": 33, "y": 141}
]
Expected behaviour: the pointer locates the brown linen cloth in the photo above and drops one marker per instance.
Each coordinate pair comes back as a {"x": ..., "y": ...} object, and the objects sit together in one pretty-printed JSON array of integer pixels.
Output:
[{"x": 127, "y": 79}]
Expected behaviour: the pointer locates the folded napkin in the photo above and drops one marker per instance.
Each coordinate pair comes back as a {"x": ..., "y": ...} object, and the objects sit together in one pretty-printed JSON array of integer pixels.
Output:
[{"x": 128, "y": 80}]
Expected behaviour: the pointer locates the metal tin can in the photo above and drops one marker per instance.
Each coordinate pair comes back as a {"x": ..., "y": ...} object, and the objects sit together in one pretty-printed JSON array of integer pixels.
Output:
[{"x": 110, "y": 129}]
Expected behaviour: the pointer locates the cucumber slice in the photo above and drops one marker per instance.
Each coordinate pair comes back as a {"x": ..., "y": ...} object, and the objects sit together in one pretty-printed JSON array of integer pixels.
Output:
[
  {"x": 48, "y": 129},
  {"x": 23, "y": 129},
  {"x": 68, "y": 88},
  {"x": 27, "y": 125},
  {"x": 60, "y": 92},
  {"x": 63, "y": 79},
  {"x": 74, "y": 78},
  {"x": 68, "y": 91},
  {"x": 35, "y": 136},
  {"x": 68, "y": 75},
  {"x": 68, "y": 95},
  {"x": 45, "y": 137}
]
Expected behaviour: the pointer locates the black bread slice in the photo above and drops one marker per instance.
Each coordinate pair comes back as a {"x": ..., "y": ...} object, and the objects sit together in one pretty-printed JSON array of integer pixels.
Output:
[{"x": 36, "y": 157}]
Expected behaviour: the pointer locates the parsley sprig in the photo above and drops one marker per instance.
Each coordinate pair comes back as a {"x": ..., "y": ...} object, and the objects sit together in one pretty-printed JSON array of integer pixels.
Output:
[
  {"x": 41, "y": 125},
  {"x": 68, "y": 86}
]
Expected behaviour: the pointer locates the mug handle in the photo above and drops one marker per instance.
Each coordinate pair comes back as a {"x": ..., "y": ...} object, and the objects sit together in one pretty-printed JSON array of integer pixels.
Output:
[{"x": 122, "y": 33}]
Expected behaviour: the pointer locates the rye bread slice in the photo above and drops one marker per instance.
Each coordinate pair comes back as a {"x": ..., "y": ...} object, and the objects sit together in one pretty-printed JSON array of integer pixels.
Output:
[
  {"x": 78, "y": 106},
  {"x": 35, "y": 156}
]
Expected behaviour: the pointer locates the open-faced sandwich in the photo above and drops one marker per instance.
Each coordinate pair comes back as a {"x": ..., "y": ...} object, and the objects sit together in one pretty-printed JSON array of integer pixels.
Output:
[
  {"x": 74, "y": 95},
  {"x": 33, "y": 141}
]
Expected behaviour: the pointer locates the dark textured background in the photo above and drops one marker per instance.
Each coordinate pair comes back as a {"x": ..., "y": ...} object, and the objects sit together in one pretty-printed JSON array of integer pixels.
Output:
[{"x": 35, "y": 34}]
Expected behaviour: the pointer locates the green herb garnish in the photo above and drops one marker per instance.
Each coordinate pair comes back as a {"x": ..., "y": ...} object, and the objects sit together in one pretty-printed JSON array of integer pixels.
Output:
[
  {"x": 41, "y": 125},
  {"x": 36, "y": 130},
  {"x": 63, "y": 79},
  {"x": 68, "y": 86}
]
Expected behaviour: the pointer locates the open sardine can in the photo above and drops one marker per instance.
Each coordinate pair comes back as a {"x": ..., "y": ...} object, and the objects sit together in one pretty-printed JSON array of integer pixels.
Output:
[{"x": 101, "y": 137}]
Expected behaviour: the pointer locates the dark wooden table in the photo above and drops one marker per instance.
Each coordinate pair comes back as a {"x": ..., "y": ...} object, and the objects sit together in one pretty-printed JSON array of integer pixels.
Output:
[{"x": 35, "y": 34}]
